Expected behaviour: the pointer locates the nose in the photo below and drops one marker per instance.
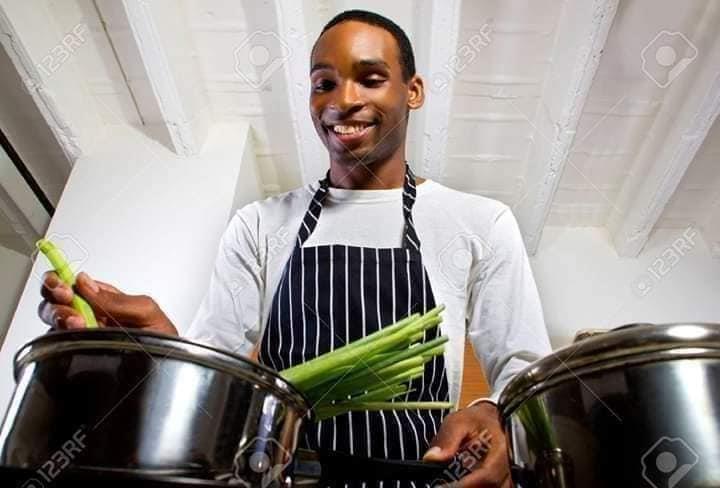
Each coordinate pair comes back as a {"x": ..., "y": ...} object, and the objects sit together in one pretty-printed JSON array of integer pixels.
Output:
[{"x": 348, "y": 99}]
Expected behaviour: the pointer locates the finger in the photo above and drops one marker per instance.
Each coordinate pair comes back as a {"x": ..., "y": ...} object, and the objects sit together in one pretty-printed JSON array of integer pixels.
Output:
[
  {"x": 62, "y": 317},
  {"x": 45, "y": 313},
  {"x": 117, "y": 307},
  {"x": 107, "y": 287},
  {"x": 54, "y": 290},
  {"x": 447, "y": 441},
  {"x": 85, "y": 281},
  {"x": 492, "y": 469}
]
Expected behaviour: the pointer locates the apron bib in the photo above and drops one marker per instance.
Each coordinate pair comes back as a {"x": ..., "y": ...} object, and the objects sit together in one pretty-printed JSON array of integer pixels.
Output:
[{"x": 331, "y": 295}]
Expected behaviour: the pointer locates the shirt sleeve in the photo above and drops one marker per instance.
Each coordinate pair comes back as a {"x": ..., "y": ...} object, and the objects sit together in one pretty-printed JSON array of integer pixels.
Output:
[
  {"x": 506, "y": 325},
  {"x": 229, "y": 316}
]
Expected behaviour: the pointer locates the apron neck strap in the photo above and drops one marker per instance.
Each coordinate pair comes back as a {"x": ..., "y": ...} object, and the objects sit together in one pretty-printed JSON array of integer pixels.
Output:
[{"x": 310, "y": 220}]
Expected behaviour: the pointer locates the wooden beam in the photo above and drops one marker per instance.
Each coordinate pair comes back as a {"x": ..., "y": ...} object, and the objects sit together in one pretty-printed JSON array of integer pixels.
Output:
[
  {"x": 164, "y": 86},
  {"x": 690, "y": 106},
  {"x": 43, "y": 59},
  {"x": 585, "y": 26},
  {"x": 437, "y": 36}
]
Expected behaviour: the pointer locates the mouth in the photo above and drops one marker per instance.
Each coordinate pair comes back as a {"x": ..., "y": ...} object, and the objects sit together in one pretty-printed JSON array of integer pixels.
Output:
[{"x": 351, "y": 132}]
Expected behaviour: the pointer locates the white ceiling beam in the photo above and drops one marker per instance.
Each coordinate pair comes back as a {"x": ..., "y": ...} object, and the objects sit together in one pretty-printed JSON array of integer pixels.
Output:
[
  {"x": 296, "y": 44},
  {"x": 146, "y": 38},
  {"x": 690, "y": 106},
  {"x": 436, "y": 37},
  {"x": 585, "y": 27},
  {"x": 43, "y": 59}
]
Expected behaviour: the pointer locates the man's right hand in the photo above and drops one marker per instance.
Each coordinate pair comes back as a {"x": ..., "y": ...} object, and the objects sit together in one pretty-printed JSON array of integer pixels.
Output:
[{"x": 112, "y": 307}]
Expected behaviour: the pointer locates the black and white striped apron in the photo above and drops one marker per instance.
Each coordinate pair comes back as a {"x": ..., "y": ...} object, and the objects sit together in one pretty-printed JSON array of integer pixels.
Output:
[{"x": 331, "y": 295}]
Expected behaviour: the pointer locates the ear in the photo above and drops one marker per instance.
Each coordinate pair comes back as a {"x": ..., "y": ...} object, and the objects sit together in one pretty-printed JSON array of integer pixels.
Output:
[{"x": 416, "y": 92}]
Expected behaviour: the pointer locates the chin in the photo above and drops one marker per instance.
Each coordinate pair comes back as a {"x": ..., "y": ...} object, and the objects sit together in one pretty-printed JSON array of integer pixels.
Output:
[{"x": 349, "y": 159}]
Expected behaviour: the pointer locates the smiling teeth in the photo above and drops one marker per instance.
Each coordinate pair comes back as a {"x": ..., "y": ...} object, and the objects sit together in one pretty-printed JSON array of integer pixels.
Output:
[{"x": 348, "y": 129}]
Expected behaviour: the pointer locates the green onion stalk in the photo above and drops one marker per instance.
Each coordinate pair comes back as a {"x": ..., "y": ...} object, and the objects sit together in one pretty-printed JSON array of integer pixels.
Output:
[
  {"x": 535, "y": 418},
  {"x": 372, "y": 373},
  {"x": 62, "y": 267}
]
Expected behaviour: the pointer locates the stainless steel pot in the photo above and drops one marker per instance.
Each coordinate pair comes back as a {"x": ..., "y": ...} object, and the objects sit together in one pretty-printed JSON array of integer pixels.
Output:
[
  {"x": 635, "y": 407},
  {"x": 107, "y": 404}
]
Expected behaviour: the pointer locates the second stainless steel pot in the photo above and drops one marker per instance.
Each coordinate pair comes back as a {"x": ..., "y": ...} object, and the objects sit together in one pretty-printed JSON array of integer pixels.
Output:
[{"x": 634, "y": 407}]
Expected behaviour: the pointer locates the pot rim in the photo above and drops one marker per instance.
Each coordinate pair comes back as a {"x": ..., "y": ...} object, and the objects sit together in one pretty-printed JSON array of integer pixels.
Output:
[
  {"x": 626, "y": 345},
  {"x": 158, "y": 345}
]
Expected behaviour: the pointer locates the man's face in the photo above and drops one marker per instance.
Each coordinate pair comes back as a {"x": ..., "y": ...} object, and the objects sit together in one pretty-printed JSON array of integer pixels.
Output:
[{"x": 358, "y": 99}]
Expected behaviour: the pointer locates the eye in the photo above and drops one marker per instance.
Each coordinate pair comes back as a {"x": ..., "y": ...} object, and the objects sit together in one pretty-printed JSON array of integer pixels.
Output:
[
  {"x": 323, "y": 85},
  {"x": 373, "y": 82}
]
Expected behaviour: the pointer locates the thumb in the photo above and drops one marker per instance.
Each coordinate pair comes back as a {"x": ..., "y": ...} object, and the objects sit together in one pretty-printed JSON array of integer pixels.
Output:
[
  {"x": 86, "y": 286},
  {"x": 100, "y": 298},
  {"x": 447, "y": 441}
]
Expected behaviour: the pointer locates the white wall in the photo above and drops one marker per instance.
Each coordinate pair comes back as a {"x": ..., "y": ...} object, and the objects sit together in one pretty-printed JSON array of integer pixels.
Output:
[
  {"x": 15, "y": 268},
  {"x": 137, "y": 216},
  {"x": 583, "y": 284}
]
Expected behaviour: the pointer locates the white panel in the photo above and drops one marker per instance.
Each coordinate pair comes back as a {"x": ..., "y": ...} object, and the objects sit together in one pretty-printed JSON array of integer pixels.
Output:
[{"x": 156, "y": 233}]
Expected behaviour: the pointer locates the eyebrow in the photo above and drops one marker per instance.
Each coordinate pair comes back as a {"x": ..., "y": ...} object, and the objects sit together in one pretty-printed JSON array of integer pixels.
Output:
[
  {"x": 318, "y": 66},
  {"x": 373, "y": 62}
]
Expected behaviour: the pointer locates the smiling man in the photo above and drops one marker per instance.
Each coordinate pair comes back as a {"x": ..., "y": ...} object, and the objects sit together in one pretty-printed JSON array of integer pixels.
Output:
[{"x": 368, "y": 244}]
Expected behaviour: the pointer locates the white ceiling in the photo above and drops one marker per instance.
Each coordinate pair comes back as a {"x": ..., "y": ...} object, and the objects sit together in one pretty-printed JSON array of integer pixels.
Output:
[{"x": 557, "y": 115}]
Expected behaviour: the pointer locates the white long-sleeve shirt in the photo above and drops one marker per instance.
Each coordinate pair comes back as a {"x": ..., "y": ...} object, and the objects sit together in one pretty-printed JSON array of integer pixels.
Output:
[{"x": 471, "y": 248}]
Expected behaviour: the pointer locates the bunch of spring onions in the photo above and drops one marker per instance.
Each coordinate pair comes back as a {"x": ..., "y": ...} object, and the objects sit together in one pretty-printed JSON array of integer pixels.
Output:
[{"x": 372, "y": 372}]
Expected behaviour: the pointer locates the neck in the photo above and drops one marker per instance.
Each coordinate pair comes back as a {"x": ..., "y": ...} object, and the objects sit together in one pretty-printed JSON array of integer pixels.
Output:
[{"x": 382, "y": 174}]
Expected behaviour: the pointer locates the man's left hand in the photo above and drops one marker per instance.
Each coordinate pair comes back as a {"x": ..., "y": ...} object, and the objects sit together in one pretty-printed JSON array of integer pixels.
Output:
[{"x": 465, "y": 428}]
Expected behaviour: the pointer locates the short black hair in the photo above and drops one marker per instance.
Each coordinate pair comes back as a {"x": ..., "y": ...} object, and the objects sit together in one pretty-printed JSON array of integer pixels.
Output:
[{"x": 407, "y": 58}]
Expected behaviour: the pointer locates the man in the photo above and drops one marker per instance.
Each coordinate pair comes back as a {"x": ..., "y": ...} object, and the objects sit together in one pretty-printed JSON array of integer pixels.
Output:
[{"x": 367, "y": 245}]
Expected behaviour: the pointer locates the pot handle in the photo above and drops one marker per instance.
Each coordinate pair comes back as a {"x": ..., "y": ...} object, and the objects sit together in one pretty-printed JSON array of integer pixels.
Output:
[
  {"x": 522, "y": 477},
  {"x": 341, "y": 466}
]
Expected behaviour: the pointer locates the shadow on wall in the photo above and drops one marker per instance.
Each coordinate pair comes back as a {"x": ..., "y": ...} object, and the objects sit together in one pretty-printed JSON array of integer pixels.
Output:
[{"x": 16, "y": 268}]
